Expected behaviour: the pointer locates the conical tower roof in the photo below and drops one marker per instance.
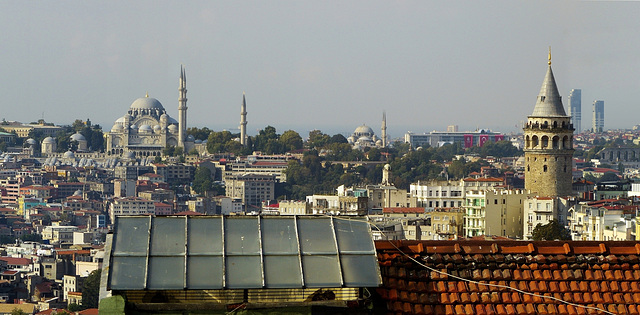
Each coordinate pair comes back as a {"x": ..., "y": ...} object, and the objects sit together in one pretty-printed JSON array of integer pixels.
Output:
[{"x": 549, "y": 102}]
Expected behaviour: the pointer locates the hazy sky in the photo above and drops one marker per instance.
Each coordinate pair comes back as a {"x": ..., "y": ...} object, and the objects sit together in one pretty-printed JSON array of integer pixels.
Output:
[{"x": 329, "y": 65}]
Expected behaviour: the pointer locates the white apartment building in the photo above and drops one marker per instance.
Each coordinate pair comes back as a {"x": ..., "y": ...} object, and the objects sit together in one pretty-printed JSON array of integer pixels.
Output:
[
  {"x": 131, "y": 206},
  {"x": 541, "y": 210},
  {"x": 438, "y": 194},
  {"x": 600, "y": 224},
  {"x": 59, "y": 234}
]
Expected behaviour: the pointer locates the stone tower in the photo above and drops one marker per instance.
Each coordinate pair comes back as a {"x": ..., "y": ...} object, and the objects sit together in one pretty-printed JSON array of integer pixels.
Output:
[
  {"x": 182, "y": 108},
  {"x": 243, "y": 122},
  {"x": 548, "y": 149}
]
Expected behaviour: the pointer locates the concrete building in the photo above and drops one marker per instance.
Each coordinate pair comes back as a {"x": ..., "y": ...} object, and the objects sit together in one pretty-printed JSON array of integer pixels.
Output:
[
  {"x": 541, "y": 210},
  {"x": 436, "y": 194},
  {"x": 337, "y": 205},
  {"x": 575, "y": 109},
  {"x": 466, "y": 138},
  {"x": 548, "y": 147},
  {"x": 598, "y": 116},
  {"x": 252, "y": 189},
  {"x": 60, "y": 235},
  {"x": 130, "y": 206},
  {"x": 293, "y": 207},
  {"x": 503, "y": 212}
]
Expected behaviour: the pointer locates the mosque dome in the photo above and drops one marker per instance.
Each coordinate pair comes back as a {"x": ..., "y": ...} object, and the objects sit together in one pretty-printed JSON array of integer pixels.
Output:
[
  {"x": 78, "y": 137},
  {"x": 157, "y": 128},
  {"x": 31, "y": 141},
  {"x": 145, "y": 129},
  {"x": 69, "y": 155},
  {"x": 117, "y": 127},
  {"x": 198, "y": 141},
  {"x": 130, "y": 155},
  {"x": 78, "y": 193},
  {"x": 48, "y": 140},
  {"x": 172, "y": 121},
  {"x": 191, "y": 138},
  {"x": 146, "y": 103},
  {"x": 173, "y": 128},
  {"x": 363, "y": 130}
]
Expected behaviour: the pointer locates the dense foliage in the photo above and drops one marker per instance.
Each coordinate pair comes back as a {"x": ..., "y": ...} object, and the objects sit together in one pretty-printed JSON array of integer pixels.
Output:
[
  {"x": 550, "y": 231},
  {"x": 91, "y": 290}
]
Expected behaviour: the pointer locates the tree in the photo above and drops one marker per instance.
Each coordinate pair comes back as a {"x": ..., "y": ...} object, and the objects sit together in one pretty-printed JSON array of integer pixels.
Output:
[
  {"x": 550, "y": 231},
  {"x": 317, "y": 139},
  {"x": 17, "y": 311},
  {"x": 202, "y": 180},
  {"x": 91, "y": 289},
  {"x": 291, "y": 140},
  {"x": 73, "y": 307}
]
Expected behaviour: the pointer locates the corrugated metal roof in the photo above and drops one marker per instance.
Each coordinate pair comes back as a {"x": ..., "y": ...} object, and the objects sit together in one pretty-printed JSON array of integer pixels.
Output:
[{"x": 238, "y": 252}]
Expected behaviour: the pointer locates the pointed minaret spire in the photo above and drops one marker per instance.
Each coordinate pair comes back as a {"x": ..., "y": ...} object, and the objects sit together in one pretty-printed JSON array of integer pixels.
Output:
[
  {"x": 182, "y": 107},
  {"x": 243, "y": 121},
  {"x": 549, "y": 55},
  {"x": 384, "y": 129}
]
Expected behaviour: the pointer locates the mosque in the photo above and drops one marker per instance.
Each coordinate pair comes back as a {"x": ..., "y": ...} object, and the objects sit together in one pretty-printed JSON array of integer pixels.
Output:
[
  {"x": 146, "y": 129},
  {"x": 364, "y": 136}
]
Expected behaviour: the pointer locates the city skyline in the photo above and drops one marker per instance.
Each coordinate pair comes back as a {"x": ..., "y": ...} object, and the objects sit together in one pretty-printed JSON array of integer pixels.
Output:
[{"x": 333, "y": 66}]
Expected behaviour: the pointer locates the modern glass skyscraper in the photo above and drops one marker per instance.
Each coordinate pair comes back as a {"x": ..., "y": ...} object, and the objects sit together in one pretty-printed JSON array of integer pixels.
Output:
[
  {"x": 598, "y": 116},
  {"x": 575, "y": 109}
]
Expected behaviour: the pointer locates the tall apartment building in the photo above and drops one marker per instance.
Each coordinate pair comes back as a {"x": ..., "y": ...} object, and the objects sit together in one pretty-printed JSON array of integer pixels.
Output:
[
  {"x": 252, "y": 189},
  {"x": 575, "y": 108},
  {"x": 598, "y": 116}
]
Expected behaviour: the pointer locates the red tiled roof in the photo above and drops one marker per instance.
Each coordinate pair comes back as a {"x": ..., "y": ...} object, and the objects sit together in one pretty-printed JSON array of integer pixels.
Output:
[
  {"x": 89, "y": 311},
  {"x": 483, "y": 179},
  {"x": 52, "y": 311},
  {"x": 403, "y": 210},
  {"x": 189, "y": 213},
  {"x": 16, "y": 261},
  {"x": 510, "y": 277}
]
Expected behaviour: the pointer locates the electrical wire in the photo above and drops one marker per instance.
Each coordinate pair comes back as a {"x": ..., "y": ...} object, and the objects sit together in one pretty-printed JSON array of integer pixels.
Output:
[{"x": 483, "y": 283}]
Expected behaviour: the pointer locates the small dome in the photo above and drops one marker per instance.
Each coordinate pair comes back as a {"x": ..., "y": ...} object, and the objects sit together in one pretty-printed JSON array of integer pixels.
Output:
[
  {"x": 191, "y": 138},
  {"x": 31, "y": 141},
  {"x": 144, "y": 128},
  {"x": 48, "y": 140},
  {"x": 364, "y": 139},
  {"x": 198, "y": 141},
  {"x": 78, "y": 137},
  {"x": 172, "y": 121},
  {"x": 146, "y": 103},
  {"x": 173, "y": 128},
  {"x": 78, "y": 193},
  {"x": 164, "y": 117},
  {"x": 117, "y": 127},
  {"x": 69, "y": 155},
  {"x": 157, "y": 128},
  {"x": 130, "y": 155}
]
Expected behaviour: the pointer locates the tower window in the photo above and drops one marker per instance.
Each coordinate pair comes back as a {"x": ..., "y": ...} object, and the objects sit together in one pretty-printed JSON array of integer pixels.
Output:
[{"x": 544, "y": 168}]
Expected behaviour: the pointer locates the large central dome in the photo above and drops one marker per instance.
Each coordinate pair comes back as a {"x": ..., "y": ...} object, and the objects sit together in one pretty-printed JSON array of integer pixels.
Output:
[{"x": 146, "y": 103}]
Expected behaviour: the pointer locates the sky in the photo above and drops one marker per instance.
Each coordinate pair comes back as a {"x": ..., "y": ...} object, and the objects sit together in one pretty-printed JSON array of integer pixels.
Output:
[{"x": 328, "y": 65}]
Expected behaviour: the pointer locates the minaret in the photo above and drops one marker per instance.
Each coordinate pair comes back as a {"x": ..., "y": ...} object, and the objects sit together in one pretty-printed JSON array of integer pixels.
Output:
[
  {"x": 548, "y": 141},
  {"x": 384, "y": 129},
  {"x": 243, "y": 121},
  {"x": 182, "y": 108}
]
